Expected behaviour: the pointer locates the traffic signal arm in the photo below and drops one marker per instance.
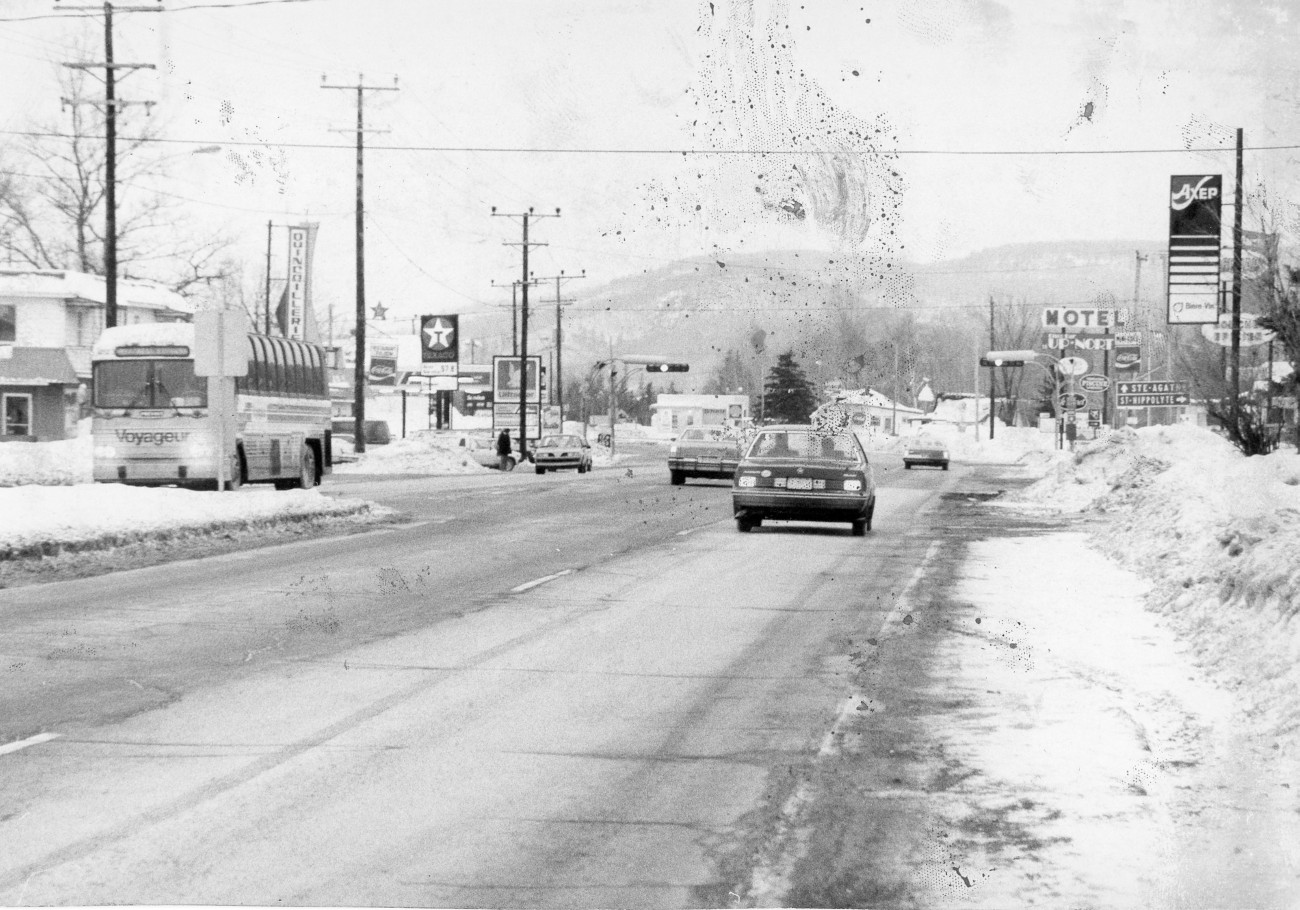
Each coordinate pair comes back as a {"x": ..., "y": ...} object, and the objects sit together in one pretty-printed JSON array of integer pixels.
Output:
[{"x": 667, "y": 367}]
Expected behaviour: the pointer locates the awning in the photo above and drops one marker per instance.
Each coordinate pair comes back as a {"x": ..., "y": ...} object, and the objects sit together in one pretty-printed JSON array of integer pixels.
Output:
[{"x": 36, "y": 366}]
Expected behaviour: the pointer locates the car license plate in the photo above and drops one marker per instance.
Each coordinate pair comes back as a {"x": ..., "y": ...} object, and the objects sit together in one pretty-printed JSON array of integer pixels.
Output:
[{"x": 799, "y": 483}]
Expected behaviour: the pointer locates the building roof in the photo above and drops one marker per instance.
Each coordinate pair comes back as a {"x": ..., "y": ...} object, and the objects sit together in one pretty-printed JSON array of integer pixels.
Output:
[
  {"x": 37, "y": 366},
  {"x": 872, "y": 399},
  {"x": 64, "y": 284},
  {"x": 675, "y": 400}
]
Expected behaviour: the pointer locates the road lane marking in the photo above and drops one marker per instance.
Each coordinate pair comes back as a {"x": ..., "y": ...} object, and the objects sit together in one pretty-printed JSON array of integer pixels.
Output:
[
  {"x": 529, "y": 585},
  {"x": 29, "y": 741}
]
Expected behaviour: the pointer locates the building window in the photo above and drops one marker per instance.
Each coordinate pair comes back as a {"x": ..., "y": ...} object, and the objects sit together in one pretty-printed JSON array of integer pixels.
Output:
[
  {"x": 8, "y": 323},
  {"x": 16, "y": 415}
]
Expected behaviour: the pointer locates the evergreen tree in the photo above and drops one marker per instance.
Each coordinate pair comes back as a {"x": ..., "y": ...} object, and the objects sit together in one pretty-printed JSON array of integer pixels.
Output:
[
  {"x": 731, "y": 377},
  {"x": 788, "y": 395}
]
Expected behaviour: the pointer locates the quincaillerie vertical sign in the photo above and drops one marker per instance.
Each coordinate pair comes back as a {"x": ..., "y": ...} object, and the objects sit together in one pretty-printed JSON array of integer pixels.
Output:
[{"x": 1195, "y": 203}]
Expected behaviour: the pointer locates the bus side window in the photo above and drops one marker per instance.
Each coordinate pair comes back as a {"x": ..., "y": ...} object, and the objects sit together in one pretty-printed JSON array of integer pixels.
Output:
[
  {"x": 317, "y": 386},
  {"x": 299, "y": 369},
  {"x": 276, "y": 364},
  {"x": 261, "y": 379},
  {"x": 248, "y": 380}
]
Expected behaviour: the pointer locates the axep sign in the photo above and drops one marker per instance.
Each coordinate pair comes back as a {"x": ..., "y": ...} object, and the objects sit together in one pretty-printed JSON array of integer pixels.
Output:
[{"x": 1081, "y": 317}]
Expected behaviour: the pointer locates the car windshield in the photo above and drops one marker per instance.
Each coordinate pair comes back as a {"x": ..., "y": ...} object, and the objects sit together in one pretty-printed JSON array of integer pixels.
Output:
[
  {"x": 560, "y": 442},
  {"x": 806, "y": 445},
  {"x": 712, "y": 434}
]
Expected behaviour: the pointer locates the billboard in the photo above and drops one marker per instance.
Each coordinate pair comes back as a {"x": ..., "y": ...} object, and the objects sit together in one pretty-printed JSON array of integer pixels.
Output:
[
  {"x": 383, "y": 365},
  {"x": 439, "y": 339},
  {"x": 1195, "y": 205},
  {"x": 505, "y": 379}
]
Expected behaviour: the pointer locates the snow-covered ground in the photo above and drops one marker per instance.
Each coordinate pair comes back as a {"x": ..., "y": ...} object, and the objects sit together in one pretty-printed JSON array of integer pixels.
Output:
[{"x": 1215, "y": 534}]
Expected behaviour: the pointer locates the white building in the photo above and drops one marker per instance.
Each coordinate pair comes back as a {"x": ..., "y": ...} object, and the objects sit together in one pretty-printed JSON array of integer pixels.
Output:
[
  {"x": 875, "y": 413},
  {"x": 49, "y": 321},
  {"x": 672, "y": 412}
]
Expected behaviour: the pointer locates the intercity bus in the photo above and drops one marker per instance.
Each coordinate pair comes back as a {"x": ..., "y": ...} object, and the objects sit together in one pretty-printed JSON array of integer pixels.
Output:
[{"x": 152, "y": 425}]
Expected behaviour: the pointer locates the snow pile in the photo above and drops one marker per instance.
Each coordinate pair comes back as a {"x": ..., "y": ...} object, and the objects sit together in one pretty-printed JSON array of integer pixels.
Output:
[
  {"x": 1217, "y": 535},
  {"x": 37, "y": 520},
  {"x": 439, "y": 455},
  {"x": 66, "y": 461}
]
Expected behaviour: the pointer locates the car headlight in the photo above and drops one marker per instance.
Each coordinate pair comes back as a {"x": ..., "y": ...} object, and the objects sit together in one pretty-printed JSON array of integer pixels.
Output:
[
  {"x": 747, "y": 480},
  {"x": 853, "y": 486},
  {"x": 672, "y": 449},
  {"x": 105, "y": 452}
]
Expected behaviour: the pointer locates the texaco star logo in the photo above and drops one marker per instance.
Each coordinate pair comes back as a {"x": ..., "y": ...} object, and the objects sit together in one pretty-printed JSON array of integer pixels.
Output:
[{"x": 439, "y": 333}]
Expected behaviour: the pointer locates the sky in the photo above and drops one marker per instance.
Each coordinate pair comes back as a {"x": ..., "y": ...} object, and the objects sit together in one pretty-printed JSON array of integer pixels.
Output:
[{"x": 886, "y": 131}]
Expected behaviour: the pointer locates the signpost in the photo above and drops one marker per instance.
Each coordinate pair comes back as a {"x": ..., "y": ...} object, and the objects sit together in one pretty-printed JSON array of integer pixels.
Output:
[
  {"x": 1195, "y": 203},
  {"x": 1152, "y": 394},
  {"x": 221, "y": 354},
  {"x": 1249, "y": 334}
]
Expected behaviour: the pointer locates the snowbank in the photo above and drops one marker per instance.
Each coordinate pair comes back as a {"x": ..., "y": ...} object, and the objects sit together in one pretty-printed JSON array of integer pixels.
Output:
[
  {"x": 1217, "y": 535},
  {"x": 66, "y": 461},
  {"x": 439, "y": 455},
  {"x": 36, "y": 520}
]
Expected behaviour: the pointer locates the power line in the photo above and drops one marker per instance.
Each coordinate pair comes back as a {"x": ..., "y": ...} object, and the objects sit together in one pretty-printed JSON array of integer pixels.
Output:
[
  {"x": 90, "y": 14},
  {"x": 596, "y": 150}
]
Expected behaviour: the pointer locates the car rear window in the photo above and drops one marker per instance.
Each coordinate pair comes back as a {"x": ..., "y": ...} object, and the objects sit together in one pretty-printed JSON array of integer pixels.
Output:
[{"x": 805, "y": 445}]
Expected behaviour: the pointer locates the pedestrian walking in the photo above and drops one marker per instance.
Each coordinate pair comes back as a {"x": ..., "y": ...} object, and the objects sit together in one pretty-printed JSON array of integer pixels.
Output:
[{"x": 503, "y": 450}]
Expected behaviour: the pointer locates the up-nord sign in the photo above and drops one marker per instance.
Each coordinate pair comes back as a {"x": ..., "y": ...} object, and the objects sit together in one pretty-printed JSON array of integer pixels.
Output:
[{"x": 1082, "y": 318}]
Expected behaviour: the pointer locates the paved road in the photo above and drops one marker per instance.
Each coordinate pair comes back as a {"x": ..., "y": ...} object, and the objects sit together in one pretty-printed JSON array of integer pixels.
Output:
[{"x": 538, "y": 691}]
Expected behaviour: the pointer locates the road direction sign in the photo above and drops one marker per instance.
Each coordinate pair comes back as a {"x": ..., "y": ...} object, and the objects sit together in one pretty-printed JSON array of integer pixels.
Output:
[
  {"x": 1094, "y": 382},
  {"x": 1073, "y": 366},
  {"x": 1151, "y": 394},
  {"x": 1072, "y": 401},
  {"x": 1248, "y": 335}
]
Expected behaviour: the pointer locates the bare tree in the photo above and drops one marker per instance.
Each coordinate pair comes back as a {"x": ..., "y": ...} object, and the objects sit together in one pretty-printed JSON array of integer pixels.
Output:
[{"x": 53, "y": 191}]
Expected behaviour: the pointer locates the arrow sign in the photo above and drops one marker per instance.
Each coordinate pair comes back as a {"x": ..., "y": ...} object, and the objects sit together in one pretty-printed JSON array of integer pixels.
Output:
[{"x": 1153, "y": 400}]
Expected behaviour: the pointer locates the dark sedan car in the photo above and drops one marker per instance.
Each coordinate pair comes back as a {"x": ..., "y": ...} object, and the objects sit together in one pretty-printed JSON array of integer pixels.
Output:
[{"x": 797, "y": 473}]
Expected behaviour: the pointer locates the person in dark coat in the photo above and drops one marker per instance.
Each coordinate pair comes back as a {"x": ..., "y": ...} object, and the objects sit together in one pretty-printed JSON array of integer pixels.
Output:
[{"x": 503, "y": 450}]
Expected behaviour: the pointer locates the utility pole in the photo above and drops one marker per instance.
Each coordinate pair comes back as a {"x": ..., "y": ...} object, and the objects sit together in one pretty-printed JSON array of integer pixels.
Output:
[
  {"x": 524, "y": 282},
  {"x": 1236, "y": 294},
  {"x": 111, "y": 106},
  {"x": 514, "y": 312},
  {"x": 557, "y": 384},
  {"x": 359, "y": 368},
  {"x": 993, "y": 373}
]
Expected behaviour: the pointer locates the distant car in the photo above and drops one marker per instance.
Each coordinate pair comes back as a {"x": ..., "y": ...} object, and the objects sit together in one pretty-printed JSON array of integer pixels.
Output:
[
  {"x": 712, "y": 451},
  {"x": 927, "y": 452},
  {"x": 791, "y": 472},
  {"x": 553, "y": 453},
  {"x": 377, "y": 432}
]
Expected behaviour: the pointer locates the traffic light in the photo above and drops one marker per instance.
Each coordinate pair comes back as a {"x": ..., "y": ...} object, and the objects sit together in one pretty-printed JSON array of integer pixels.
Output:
[{"x": 667, "y": 367}]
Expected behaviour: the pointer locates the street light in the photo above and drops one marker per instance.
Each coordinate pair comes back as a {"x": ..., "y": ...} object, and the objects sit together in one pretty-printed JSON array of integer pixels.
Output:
[{"x": 1023, "y": 358}]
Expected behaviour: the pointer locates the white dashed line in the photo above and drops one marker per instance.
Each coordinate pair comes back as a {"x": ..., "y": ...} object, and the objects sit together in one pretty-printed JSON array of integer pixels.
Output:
[
  {"x": 29, "y": 741},
  {"x": 529, "y": 585}
]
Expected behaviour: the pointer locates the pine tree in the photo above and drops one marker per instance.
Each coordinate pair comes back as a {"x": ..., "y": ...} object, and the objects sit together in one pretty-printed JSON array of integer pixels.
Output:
[{"x": 788, "y": 395}]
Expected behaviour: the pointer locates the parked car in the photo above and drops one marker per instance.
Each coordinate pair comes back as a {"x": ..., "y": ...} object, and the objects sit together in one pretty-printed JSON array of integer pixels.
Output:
[
  {"x": 376, "y": 430},
  {"x": 791, "y": 472},
  {"x": 565, "y": 450},
  {"x": 927, "y": 452},
  {"x": 703, "y": 452},
  {"x": 482, "y": 449}
]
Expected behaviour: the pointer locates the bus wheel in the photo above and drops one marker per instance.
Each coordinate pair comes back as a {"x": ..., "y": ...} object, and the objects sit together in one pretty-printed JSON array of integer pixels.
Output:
[
  {"x": 307, "y": 468},
  {"x": 236, "y": 472}
]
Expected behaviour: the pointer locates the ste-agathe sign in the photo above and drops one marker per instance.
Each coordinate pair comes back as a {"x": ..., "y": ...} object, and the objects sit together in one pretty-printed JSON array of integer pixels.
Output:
[{"x": 1152, "y": 394}]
